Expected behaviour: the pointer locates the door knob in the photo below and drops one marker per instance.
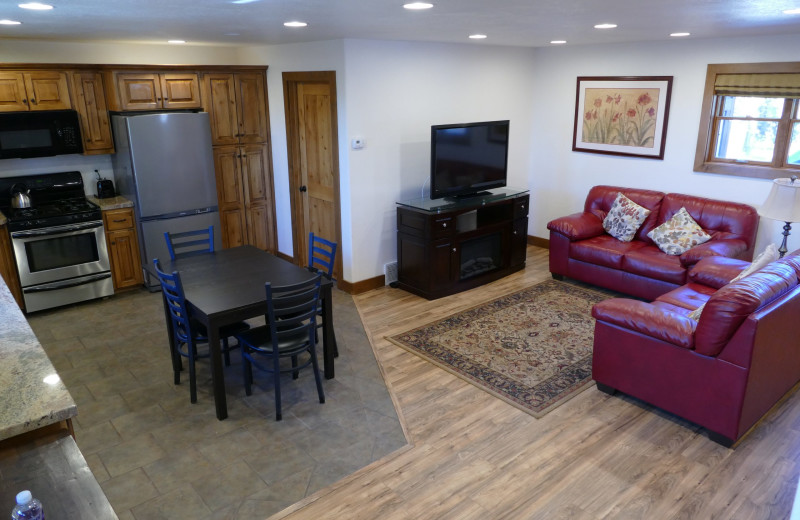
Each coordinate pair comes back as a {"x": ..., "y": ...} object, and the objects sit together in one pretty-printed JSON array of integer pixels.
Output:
[{"x": 303, "y": 189}]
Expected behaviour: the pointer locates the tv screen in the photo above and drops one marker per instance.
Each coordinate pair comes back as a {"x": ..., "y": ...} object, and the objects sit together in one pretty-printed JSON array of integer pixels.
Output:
[{"x": 468, "y": 158}]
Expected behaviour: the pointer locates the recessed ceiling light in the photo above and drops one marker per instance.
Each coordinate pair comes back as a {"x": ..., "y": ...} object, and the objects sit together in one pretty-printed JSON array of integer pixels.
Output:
[
  {"x": 605, "y": 26},
  {"x": 477, "y": 36},
  {"x": 9, "y": 22},
  {"x": 679, "y": 34},
  {"x": 36, "y": 6},
  {"x": 418, "y": 5},
  {"x": 295, "y": 24},
  {"x": 176, "y": 41},
  {"x": 792, "y": 11},
  {"x": 558, "y": 42}
]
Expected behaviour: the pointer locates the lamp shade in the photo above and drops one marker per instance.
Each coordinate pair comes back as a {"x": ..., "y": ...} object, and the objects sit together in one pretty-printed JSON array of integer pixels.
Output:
[{"x": 783, "y": 202}]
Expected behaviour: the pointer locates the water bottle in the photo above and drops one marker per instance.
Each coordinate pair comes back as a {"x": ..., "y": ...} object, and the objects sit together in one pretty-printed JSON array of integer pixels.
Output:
[{"x": 27, "y": 508}]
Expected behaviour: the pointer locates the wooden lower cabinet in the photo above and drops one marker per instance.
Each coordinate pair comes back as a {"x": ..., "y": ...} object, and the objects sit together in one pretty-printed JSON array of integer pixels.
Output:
[
  {"x": 123, "y": 248},
  {"x": 244, "y": 194},
  {"x": 8, "y": 267}
]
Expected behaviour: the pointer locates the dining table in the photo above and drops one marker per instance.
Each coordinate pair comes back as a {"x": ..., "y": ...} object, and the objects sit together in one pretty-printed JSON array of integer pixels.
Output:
[{"x": 227, "y": 286}]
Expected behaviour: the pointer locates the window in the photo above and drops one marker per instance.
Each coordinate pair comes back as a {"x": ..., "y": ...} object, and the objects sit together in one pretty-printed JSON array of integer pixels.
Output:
[{"x": 751, "y": 120}]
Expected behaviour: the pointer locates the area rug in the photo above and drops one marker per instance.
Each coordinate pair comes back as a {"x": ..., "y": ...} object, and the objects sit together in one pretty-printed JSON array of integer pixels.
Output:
[{"x": 533, "y": 348}]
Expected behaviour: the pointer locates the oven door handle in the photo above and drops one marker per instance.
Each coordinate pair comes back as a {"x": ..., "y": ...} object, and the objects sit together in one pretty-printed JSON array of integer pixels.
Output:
[
  {"x": 60, "y": 230},
  {"x": 66, "y": 283}
]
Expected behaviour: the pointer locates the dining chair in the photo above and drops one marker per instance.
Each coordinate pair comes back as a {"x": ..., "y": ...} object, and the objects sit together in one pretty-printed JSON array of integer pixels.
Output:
[
  {"x": 290, "y": 331},
  {"x": 187, "y": 333},
  {"x": 189, "y": 243},
  {"x": 321, "y": 255}
]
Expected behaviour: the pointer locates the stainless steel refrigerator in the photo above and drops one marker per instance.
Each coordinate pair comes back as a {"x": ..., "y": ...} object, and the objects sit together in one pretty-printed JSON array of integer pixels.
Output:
[{"x": 165, "y": 165}]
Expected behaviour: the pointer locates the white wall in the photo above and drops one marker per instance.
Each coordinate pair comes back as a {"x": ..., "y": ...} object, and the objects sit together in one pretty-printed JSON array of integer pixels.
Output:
[{"x": 561, "y": 178}]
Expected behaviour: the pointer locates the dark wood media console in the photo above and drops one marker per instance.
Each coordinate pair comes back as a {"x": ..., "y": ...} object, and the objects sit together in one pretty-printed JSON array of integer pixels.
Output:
[{"x": 445, "y": 247}]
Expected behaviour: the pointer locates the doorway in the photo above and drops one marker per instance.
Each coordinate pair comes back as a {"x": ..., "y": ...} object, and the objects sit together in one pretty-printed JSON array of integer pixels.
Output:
[{"x": 313, "y": 156}]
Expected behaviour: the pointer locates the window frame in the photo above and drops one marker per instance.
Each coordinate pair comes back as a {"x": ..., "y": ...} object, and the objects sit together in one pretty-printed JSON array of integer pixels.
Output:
[{"x": 704, "y": 161}]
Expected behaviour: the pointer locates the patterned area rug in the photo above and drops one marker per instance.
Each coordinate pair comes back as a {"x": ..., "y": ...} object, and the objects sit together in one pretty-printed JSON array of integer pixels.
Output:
[{"x": 533, "y": 348}]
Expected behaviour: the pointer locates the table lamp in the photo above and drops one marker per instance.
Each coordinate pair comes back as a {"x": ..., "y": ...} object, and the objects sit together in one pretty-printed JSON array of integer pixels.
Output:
[{"x": 783, "y": 203}]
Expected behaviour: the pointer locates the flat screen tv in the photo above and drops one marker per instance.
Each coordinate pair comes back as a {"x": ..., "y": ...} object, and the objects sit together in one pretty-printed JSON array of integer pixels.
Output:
[{"x": 468, "y": 158}]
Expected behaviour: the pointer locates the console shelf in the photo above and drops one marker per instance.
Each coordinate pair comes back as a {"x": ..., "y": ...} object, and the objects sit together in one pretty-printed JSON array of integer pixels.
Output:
[{"x": 448, "y": 246}]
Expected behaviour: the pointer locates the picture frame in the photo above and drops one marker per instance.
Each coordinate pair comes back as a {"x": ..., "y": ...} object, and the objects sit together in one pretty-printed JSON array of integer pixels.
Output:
[{"x": 622, "y": 115}]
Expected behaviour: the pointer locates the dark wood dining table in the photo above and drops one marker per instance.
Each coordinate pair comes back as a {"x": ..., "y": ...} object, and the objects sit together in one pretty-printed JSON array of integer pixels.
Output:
[{"x": 227, "y": 286}]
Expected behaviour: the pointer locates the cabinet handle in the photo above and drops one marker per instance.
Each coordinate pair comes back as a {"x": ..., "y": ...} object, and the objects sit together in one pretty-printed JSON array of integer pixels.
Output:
[
  {"x": 118, "y": 220},
  {"x": 454, "y": 249},
  {"x": 303, "y": 189},
  {"x": 515, "y": 232},
  {"x": 33, "y": 100},
  {"x": 24, "y": 101},
  {"x": 523, "y": 206},
  {"x": 444, "y": 224}
]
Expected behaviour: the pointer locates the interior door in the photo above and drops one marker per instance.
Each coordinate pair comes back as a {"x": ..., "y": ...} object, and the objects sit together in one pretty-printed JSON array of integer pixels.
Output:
[{"x": 313, "y": 159}]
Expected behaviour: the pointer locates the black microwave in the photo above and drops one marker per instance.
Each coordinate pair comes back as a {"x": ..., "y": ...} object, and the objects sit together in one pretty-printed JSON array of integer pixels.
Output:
[{"x": 39, "y": 134}]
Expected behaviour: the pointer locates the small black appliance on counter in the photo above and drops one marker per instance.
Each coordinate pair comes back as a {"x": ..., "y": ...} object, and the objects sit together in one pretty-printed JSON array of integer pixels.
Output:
[{"x": 105, "y": 187}]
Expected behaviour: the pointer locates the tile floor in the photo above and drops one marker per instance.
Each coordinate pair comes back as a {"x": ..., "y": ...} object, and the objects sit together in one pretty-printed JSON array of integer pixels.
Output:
[{"x": 157, "y": 456}]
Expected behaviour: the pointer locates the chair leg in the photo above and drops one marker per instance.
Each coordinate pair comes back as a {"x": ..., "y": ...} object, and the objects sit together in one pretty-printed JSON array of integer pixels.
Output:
[
  {"x": 226, "y": 352},
  {"x": 277, "y": 375},
  {"x": 247, "y": 373},
  {"x": 192, "y": 379},
  {"x": 315, "y": 366},
  {"x": 295, "y": 373}
]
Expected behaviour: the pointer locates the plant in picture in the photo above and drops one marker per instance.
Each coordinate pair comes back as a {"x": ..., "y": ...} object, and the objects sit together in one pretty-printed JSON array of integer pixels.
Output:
[
  {"x": 640, "y": 122},
  {"x": 599, "y": 124}
]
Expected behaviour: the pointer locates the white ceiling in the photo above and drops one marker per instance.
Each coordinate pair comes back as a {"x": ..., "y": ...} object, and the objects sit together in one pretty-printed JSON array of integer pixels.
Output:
[{"x": 528, "y": 23}]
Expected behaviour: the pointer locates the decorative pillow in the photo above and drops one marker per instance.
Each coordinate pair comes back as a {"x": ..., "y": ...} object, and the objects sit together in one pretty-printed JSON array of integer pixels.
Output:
[
  {"x": 624, "y": 218},
  {"x": 678, "y": 234},
  {"x": 767, "y": 256}
]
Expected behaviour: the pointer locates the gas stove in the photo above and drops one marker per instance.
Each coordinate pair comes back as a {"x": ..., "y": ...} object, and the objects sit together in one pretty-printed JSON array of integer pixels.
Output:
[{"x": 57, "y": 199}]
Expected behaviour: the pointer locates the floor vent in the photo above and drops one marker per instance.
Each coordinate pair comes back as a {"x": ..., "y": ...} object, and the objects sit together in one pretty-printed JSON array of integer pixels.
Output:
[{"x": 390, "y": 273}]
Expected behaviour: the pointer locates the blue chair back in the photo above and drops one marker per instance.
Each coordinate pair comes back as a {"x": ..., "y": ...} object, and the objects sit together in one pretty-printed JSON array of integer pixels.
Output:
[
  {"x": 176, "y": 302},
  {"x": 292, "y": 311},
  {"x": 189, "y": 243},
  {"x": 321, "y": 255}
]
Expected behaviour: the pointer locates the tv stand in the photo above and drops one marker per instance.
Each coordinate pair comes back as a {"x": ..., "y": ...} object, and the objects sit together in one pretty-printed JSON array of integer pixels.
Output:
[
  {"x": 468, "y": 196},
  {"x": 445, "y": 246}
]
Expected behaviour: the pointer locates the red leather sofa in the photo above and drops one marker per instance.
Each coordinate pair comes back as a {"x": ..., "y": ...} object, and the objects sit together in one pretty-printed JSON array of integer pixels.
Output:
[
  {"x": 581, "y": 249},
  {"x": 723, "y": 371}
]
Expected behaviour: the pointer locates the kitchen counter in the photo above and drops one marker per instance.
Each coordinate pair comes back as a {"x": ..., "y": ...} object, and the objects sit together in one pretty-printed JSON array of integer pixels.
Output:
[
  {"x": 111, "y": 202},
  {"x": 26, "y": 402}
]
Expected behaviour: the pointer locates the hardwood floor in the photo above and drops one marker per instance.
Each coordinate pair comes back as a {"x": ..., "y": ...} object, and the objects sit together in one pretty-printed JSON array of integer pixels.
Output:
[{"x": 597, "y": 456}]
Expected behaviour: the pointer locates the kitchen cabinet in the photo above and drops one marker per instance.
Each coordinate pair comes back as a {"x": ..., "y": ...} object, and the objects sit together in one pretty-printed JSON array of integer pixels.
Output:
[
  {"x": 33, "y": 90},
  {"x": 90, "y": 102},
  {"x": 8, "y": 267},
  {"x": 155, "y": 91},
  {"x": 237, "y": 107},
  {"x": 123, "y": 248}
]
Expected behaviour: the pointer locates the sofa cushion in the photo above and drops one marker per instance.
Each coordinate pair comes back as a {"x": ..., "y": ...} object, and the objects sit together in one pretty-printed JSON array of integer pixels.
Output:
[
  {"x": 602, "y": 250},
  {"x": 730, "y": 306},
  {"x": 645, "y": 318},
  {"x": 649, "y": 261},
  {"x": 600, "y": 199},
  {"x": 624, "y": 218},
  {"x": 678, "y": 234},
  {"x": 716, "y": 271},
  {"x": 689, "y": 296}
]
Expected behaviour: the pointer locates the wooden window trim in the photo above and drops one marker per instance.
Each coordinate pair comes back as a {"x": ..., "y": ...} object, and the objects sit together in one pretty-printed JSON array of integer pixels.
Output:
[{"x": 703, "y": 150}]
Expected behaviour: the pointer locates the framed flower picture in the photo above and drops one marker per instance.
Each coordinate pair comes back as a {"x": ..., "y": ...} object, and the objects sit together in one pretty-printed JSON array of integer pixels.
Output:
[{"x": 622, "y": 115}]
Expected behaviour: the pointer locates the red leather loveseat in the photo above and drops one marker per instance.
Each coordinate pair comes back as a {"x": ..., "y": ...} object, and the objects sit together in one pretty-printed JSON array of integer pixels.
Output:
[
  {"x": 723, "y": 371},
  {"x": 581, "y": 249}
]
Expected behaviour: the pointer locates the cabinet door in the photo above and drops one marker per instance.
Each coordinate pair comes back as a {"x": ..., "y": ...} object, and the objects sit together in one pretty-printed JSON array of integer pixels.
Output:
[
  {"x": 180, "y": 90},
  {"x": 126, "y": 267},
  {"x": 230, "y": 195},
  {"x": 220, "y": 103},
  {"x": 47, "y": 90},
  {"x": 138, "y": 91},
  {"x": 443, "y": 253},
  {"x": 90, "y": 102},
  {"x": 251, "y": 108},
  {"x": 8, "y": 267},
  {"x": 258, "y": 196},
  {"x": 519, "y": 241},
  {"x": 12, "y": 92}
]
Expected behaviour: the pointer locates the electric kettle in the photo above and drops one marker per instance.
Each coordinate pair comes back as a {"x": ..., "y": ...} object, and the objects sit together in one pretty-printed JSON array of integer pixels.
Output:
[{"x": 19, "y": 196}]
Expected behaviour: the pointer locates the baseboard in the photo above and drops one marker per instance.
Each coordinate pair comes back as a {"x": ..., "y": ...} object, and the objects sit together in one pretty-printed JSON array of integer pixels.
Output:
[
  {"x": 361, "y": 286},
  {"x": 285, "y": 257},
  {"x": 539, "y": 242}
]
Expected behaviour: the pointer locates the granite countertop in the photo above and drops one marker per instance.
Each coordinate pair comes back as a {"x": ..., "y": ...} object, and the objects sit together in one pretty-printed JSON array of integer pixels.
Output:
[
  {"x": 26, "y": 401},
  {"x": 111, "y": 202}
]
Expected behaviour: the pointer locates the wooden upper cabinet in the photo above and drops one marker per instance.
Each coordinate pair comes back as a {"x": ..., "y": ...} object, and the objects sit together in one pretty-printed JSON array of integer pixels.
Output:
[
  {"x": 35, "y": 90},
  {"x": 153, "y": 91},
  {"x": 90, "y": 102},
  {"x": 237, "y": 107}
]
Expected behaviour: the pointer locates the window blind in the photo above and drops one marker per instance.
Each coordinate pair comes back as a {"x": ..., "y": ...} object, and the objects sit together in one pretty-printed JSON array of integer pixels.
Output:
[{"x": 758, "y": 85}]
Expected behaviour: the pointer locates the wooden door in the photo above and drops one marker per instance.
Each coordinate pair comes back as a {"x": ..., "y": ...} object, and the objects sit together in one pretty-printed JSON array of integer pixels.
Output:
[
  {"x": 139, "y": 91},
  {"x": 12, "y": 92},
  {"x": 313, "y": 159},
  {"x": 258, "y": 196},
  {"x": 230, "y": 196},
  {"x": 180, "y": 90},
  {"x": 252, "y": 109},
  {"x": 47, "y": 90},
  {"x": 90, "y": 102}
]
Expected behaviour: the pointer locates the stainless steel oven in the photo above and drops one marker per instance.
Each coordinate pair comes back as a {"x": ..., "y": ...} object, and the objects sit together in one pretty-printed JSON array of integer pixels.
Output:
[{"x": 62, "y": 264}]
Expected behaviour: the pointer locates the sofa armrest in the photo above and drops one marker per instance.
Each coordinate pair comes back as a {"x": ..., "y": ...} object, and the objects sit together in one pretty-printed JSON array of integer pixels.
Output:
[
  {"x": 577, "y": 226},
  {"x": 650, "y": 320},
  {"x": 717, "y": 271},
  {"x": 731, "y": 247}
]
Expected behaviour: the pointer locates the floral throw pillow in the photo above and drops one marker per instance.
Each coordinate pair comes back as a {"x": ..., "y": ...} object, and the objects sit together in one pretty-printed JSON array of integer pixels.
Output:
[
  {"x": 624, "y": 218},
  {"x": 678, "y": 234}
]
